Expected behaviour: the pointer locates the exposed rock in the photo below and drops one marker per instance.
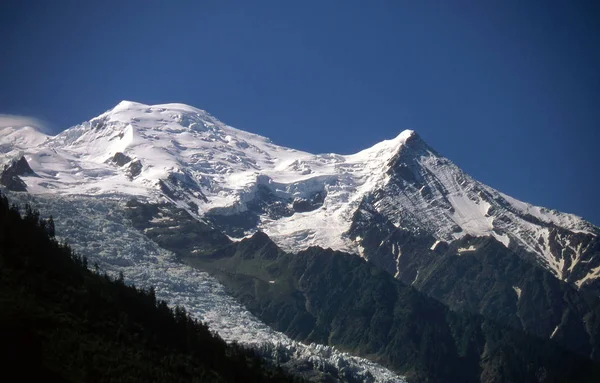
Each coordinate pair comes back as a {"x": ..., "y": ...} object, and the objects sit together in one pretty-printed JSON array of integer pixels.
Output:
[
  {"x": 134, "y": 169},
  {"x": 267, "y": 203},
  {"x": 179, "y": 186},
  {"x": 306, "y": 205},
  {"x": 10, "y": 175},
  {"x": 120, "y": 159}
]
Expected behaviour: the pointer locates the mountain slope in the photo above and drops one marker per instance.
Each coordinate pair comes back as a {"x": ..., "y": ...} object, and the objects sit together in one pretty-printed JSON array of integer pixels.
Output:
[
  {"x": 61, "y": 322},
  {"x": 473, "y": 274},
  {"x": 481, "y": 275},
  {"x": 332, "y": 298}
]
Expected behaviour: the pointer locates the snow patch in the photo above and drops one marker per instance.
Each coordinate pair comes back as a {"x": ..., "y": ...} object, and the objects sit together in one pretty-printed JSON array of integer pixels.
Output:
[
  {"x": 416, "y": 278},
  {"x": 593, "y": 274},
  {"x": 466, "y": 249},
  {"x": 517, "y": 291},
  {"x": 397, "y": 252}
]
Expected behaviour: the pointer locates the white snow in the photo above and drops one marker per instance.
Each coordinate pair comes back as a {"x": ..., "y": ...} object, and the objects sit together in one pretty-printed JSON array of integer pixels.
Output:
[
  {"x": 416, "y": 278},
  {"x": 466, "y": 249},
  {"x": 517, "y": 291},
  {"x": 397, "y": 252},
  {"x": 593, "y": 274},
  {"x": 227, "y": 162},
  {"x": 568, "y": 221},
  {"x": 22, "y": 136},
  {"x": 554, "y": 332}
]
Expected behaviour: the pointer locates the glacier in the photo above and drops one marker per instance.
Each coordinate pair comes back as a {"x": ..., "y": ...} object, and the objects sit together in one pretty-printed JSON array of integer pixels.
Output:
[{"x": 99, "y": 230}]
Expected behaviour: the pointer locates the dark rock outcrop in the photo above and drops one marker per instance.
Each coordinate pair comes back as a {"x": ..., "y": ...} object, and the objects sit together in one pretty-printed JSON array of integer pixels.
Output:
[
  {"x": 134, "y": 169},
  {"x": 120, "y": 159},
  {"x": 10, "y": 176},
  {"x": 313, "y": 203}
]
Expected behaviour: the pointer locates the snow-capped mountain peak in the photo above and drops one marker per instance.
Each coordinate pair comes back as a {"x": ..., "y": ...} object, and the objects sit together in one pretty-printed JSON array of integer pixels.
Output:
[
  {"x": 26, "y": 136},
  {"x": 242, "y": 182}
]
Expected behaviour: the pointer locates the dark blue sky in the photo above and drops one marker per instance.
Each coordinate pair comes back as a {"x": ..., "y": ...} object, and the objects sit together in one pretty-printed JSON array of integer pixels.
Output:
[{"x": 509, "y": 90}]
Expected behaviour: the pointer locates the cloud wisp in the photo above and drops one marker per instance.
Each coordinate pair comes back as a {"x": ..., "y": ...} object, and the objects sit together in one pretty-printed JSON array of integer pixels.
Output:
[{"x": 16, "y": 121}]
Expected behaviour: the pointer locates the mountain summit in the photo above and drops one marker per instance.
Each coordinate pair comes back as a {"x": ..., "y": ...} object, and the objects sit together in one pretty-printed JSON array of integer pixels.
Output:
[{"x": 242, "y": 182}]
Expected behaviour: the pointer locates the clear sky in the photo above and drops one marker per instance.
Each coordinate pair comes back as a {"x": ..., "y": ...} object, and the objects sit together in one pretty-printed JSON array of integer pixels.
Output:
[{"x": 508, "y": 90}]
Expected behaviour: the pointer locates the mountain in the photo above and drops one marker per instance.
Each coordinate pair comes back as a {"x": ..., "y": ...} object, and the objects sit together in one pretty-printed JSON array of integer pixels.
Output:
[
  {"x": 149, "y": 191},
  {"x": 242, "y": 182},
  {"x": 427, "y": 194}
]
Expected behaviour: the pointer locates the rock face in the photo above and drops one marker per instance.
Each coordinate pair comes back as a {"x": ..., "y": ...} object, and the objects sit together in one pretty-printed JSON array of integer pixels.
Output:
[
  {"x": 134, "y": 169},
  {"x": 304, "y": 205},
  {"x": 10, "y": 175},
  {"x": 120, "y": 159}
]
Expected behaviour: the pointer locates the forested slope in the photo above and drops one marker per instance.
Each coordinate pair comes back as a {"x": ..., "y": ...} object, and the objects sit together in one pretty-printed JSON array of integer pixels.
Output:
[{"x": 61, "y": 322}]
